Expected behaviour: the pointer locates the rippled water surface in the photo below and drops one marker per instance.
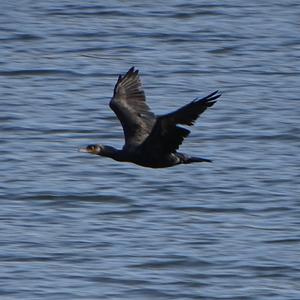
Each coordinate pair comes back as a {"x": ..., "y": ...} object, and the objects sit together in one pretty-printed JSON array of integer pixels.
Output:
[{"x": 75, "y": 226}]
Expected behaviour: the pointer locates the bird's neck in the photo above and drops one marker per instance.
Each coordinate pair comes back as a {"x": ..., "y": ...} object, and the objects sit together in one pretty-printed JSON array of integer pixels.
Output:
[{"x": 111, "y": 152}]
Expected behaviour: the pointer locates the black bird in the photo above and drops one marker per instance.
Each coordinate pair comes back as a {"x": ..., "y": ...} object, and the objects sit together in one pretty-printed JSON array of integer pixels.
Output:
[{"x": 150, "y": 141}]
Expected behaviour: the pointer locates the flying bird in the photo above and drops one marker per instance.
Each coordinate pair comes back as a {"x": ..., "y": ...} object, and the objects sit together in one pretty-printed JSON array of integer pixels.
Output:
[{"x": 150, "y": 141}]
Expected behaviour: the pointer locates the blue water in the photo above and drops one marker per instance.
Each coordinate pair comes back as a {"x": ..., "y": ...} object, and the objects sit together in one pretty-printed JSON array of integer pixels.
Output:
[{"x": 75, "y": 226}]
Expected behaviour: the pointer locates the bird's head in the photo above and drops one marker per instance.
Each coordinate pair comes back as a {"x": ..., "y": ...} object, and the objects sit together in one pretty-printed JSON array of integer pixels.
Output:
[
  {"x": 100, "y": 150},
  {"x": 93, "y": 149}
]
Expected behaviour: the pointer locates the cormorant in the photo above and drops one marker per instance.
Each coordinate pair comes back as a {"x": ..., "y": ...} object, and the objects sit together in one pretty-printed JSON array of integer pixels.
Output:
[{"x": 150, "y": 141}]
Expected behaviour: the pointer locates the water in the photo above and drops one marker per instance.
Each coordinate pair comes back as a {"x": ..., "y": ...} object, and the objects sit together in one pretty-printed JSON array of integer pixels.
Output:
[{"x": 74, "y": 226}]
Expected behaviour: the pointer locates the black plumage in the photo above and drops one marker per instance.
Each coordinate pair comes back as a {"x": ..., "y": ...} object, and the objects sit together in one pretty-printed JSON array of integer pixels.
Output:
[{"x": 150, "y": 141}]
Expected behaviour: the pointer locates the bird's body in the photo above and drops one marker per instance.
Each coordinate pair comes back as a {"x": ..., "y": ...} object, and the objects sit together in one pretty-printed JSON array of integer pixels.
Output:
[{"x": 150, "y": 141}]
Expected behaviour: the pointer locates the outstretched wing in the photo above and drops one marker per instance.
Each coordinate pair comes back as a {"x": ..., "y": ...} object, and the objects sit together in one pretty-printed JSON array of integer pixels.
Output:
[
  {"x": 129, "y": 104},
  {"x": 167, "y": 136}
]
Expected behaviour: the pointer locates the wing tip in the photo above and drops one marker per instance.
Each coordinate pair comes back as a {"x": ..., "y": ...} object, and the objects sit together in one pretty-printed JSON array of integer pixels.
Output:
[
  {"x": 210, "y": 98},
  {"x": 131, "y": 71},
  {"x": 216, "y": 94}
]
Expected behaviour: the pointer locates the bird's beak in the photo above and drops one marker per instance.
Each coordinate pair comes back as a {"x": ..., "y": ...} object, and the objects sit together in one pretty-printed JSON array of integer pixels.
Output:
[{"x": 83, "y": 150}]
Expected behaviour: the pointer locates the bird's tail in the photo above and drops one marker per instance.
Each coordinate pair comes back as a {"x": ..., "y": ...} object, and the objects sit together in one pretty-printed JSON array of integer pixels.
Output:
[{"x": 193, "y": 159}]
